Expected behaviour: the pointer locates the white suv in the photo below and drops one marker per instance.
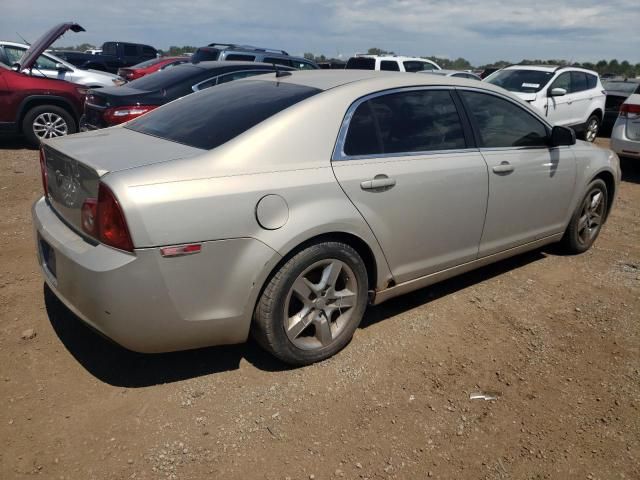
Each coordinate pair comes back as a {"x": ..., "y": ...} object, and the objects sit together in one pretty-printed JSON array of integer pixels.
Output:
[
  {"x": 568, "y": 96},
  {"x": 391, "y": 63}
]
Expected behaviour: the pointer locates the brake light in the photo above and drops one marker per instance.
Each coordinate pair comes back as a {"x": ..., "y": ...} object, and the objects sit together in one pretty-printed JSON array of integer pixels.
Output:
[
  {"x": 43, "y": 172},
  {"x": 629, "y": 110},
  {"x": 117, "y": 115},
  {"x": 111, "y": 227}
]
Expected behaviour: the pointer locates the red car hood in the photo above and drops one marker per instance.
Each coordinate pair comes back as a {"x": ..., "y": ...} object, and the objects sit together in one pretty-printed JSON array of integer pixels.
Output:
[{"x": 42, "y": 43}]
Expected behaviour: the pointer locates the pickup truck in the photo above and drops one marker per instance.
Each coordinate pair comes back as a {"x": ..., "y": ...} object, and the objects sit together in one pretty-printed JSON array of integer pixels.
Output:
[{"x": 114, "y": 55}]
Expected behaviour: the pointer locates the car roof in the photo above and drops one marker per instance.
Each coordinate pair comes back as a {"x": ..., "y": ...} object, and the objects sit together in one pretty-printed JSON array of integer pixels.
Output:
[
  {"x": 393, "y": 57},
  {"x": 375, "y": 80},
  {"x": 213, "y": 64},
  {"x": 549, "y": 68}
]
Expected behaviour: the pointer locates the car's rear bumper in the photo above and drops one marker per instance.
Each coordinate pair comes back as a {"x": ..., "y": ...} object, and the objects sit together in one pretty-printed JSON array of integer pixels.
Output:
[
  {"x": 621, "y": 144},
  {"x": 149, "y": 303}
]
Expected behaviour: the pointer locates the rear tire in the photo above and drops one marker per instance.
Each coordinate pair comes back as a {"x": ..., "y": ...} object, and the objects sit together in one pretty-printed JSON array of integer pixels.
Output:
[
  {"x": 312, "y": 306},
  {"x": 587, "y": 220},
  {"x": 47, "y": 121},
  {"x": 591, "y": 129}
]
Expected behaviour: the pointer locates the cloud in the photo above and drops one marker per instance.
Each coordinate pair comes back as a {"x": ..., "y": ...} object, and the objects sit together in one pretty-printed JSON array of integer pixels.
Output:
[{"x": 479, "y": 31}]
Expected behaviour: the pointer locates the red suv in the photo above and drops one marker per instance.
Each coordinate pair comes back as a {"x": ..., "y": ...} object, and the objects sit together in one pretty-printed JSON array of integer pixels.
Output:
[
  {"x": 38, "y": 107},
  {"x": 150, "y": 66}
]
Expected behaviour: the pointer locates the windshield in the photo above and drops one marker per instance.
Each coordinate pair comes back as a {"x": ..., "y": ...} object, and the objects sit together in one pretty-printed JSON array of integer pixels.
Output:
[
  {"x": 618, "y": 86},
  {"x": 523, "y": 81},
  {"x": 214, "y": 116}
]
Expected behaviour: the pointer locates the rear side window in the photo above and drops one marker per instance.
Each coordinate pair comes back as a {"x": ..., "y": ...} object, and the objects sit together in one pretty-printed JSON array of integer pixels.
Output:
[
  {"x": 406, "y": 122},
  {"x": 240, "y": 57},
  {"x": 417, "y": 66},
  {"x": 361, "y": 63},
  {"x": 502, "y": 123},
  {"x": 277, "y": 61},
  {"x": 592, "y": 81},
  {"x": 389, "y": 65},
  {"x": 578, "y": 81},
  {"x": 130, "y": 50},
  {"x": 109, "y": 48},
  {"x": 214, "y": 116}
]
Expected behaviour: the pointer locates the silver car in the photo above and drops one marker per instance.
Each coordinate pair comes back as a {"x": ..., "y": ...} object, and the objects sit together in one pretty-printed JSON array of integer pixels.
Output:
[
  {"x": 49, "y": 66},
  {"x": 282, "y": 205},
  {"x": 625, "y": 136}
]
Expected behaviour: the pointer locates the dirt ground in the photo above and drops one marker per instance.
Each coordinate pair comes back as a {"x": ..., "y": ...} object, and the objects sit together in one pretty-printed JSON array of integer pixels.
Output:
[{"x": 556, "y": 336}]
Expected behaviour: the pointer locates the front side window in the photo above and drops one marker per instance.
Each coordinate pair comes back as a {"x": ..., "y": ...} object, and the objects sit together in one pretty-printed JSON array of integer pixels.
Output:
[
  {"x": 417, "y": 66},
  {"x": 130, "y": 50},
  {"x": 361, "y": 63},
  {"x": 209, "y": 118},
  {"x": 389, "y": 65},
  {"x": 501, "y": 123},
  {"x": 277, "y": 61},
  {"x": 563, "y": 81},
  {"x": 238, "y": 57},
  {"x": 405, "y": 122}
]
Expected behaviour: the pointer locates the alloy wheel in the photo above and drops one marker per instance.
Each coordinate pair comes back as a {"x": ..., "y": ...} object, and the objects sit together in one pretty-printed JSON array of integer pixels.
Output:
[
  {"x": 319, "y": 304},
  {"x": 591, "y": 216},
  {"x": 592, "y": 130},
  {"x": 50, "y": 125}
]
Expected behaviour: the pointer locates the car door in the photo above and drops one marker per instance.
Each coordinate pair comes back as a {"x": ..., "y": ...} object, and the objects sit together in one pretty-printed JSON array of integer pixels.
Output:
[
  {"x": 403, "y": 158},
  {"x": 560, "y": 109},
  {"x": 530, "y": 184},
  {"x": 582, "y": 97}
]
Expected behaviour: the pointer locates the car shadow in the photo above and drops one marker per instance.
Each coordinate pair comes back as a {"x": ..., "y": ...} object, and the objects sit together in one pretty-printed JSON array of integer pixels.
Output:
[
  {"x": 120, "y": 367},
  {"x": 14, "y": 143},
  {"x": 630, "y": 170}
]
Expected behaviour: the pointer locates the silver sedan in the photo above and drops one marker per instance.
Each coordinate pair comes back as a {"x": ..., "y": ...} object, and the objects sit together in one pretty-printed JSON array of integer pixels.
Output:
[{"x": 282, "y": 206}]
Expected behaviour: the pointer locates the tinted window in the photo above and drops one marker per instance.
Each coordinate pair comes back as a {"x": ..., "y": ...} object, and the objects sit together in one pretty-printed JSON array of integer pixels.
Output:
[
  {"x": 302, "y": 65},
  {"x": 130, "y": 50},
  {"x": 109, "y": 48},
  {"x": 390, "y": 65},
  {"x": 229, "y": 77},
  {"x": 214, "y": 116},
  {"x": 167, "y": 78},
  {"x": 592, "y": 81},
  {"x": 502, "y": 123},
  {"x": 417, "y": 66},
  {"x": 407, "y": 122},
  {"x": 524, "y": 81},
  {"x": 240, "y": 57},
  {"x": 578, "y": 81},
  {"x": 148, "y": 51},
  {"x": 205, "y": 55},
  {"x": 563, "y": 81},
  {"x": 361, "y": 63},
  {"x": 277, "y": 61}
]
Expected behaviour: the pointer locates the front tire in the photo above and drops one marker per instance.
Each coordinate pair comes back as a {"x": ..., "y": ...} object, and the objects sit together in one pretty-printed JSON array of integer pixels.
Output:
[
  {"x": 47, "y": 121},
  {"x": 591, "y": 129},
  {"x": 312, "y": 306},
  {"x": 587, "y": 220}
]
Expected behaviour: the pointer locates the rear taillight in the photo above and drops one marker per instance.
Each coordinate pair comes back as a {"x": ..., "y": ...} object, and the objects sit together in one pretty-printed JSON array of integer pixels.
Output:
[
  {"x": 43, "y": 172},
  {"x": 103, "y": 219},
  {"x": 629, "y": 110},
  {"x": 112, "y": 227},
  {"x": 117, "y": 115}
]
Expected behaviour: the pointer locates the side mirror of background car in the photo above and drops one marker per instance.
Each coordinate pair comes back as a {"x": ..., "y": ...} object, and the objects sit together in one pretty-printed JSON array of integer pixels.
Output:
[
  {"x": 562, "y": 136},
  {"x": 557, "y": 92},
  {"x": 61, "y": 68}
]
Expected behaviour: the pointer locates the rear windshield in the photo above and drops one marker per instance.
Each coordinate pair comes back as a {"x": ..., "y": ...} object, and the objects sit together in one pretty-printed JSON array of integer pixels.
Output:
[
  {"x": 361, "y": 63},
  {"x": 523, "y": 81},
  {"x": 214, "y": 116},
  {"x": 617, "y": 86},
  {"x": 166, "y": 78}
]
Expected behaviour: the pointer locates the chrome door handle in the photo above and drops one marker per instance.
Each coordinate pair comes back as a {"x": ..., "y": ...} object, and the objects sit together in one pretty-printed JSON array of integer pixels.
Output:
[
  {"x": 504, "y": 167},
  {"x": 378, "y": 183}
]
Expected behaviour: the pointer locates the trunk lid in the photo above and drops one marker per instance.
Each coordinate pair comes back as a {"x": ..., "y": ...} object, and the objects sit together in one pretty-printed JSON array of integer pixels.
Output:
[
  {"x": 75, "y": 164},
  {"x": 43, "y": 42},
  {"x": 100, "y": 99}
]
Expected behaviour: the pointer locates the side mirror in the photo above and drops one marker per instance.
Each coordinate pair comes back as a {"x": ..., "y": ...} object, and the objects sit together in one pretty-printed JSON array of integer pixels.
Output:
[
  {"x": 562, "y": 136},
  {"x": 557, "y": 92},
  {"x": 62, "y": 68}
]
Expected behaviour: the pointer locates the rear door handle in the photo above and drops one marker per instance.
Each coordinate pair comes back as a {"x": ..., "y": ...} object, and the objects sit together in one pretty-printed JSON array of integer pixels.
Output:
[
  {"x": 379, "y": 182},
  {"x": 504, "y": 167}
]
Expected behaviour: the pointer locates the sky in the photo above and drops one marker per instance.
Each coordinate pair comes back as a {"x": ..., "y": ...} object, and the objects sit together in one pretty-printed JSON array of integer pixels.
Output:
[{"x": 482, "y": 31}]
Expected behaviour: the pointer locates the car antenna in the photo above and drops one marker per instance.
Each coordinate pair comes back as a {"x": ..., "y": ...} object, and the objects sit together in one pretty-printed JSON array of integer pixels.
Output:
[
  {"x": 280, "y": 73},
  {"x": 23, "y": 39}
]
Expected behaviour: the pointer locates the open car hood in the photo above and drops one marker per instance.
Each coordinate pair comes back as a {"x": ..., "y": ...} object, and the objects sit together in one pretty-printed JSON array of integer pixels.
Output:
[{"x": 38, "y": 47}]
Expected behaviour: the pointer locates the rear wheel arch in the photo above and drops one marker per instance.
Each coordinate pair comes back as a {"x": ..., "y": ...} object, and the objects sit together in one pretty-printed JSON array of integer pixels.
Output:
[{"x": 597, "y": 112}]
